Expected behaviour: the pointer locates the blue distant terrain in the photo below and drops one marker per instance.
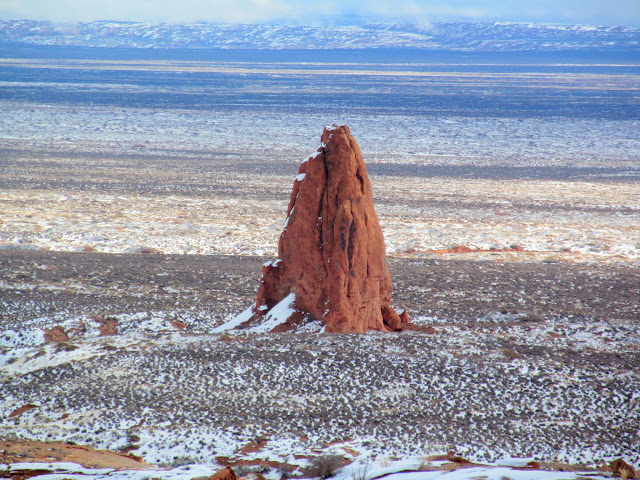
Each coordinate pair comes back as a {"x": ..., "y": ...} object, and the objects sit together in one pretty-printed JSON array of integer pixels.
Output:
[{"x": 453, "y": 36}]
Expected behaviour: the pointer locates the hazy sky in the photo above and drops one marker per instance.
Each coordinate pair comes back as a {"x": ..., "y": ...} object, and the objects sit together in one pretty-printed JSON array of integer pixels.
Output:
[{"x": 323, "y": 12}]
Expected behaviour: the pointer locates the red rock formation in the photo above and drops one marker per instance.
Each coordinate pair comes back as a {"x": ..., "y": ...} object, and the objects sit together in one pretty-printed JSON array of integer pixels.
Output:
[
  {"x": 464, "y": 249},
  {"x": 20, "y": 410},
  {"x": 225, "y": 474},
  {"x": 179, "y": 324},
  {"x": 56, "y": 334},
  {"x": 461, "y": 249},
  {"x": 622, "y": 469},
  {"x": 331, "y": 250},
  {"x": 18, "y": 451},
  {"x": 107, "y": 326}
]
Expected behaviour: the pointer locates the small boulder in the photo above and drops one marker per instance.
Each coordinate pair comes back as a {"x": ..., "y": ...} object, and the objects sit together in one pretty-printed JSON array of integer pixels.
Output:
[
  {"x": 20, "y": 410},
  {"x": 225, "y": 474},
  {"x": 622, "y": 469},
  {"x": 56, "y": 334},
  {"x": 107, "y": 325}
]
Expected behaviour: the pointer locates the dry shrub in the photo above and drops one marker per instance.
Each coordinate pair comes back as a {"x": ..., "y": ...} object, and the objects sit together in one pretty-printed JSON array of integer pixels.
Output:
[
  {"x": 325, "y": 466},
  {"x": 362, "y": 472}
]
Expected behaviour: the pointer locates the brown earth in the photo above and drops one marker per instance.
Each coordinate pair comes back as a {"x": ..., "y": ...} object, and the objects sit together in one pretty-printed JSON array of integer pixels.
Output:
[
  {"x": 34, "y": 451},
  {"x": 102, "y": 285}
]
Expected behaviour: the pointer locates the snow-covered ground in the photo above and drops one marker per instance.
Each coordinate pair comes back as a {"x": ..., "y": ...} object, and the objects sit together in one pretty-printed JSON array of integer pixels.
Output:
[
  {"x": 407, "y": 469},
  {"x": 581, "y": 221},
  {"x": 533, "y": 351},
  {"x": 219, "y": 184},
  {"x": 506, "y": 387},
  {"x": 244, "y": 134},
  {"x": 74, "y": 471}
]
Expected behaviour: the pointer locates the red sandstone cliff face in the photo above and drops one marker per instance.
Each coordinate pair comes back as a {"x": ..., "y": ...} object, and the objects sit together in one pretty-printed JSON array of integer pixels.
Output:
[{"x": 331, "y": 250}]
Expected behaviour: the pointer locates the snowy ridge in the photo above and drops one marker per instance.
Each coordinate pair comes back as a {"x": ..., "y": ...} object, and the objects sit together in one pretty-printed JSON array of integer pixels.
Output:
[
  {"x": 480, "y": 36},
  {"x": 398, "y": 470}
]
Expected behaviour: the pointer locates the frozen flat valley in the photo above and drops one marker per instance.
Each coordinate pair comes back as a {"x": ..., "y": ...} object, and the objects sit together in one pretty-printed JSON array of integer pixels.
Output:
[{"x": 139, "y": 197}]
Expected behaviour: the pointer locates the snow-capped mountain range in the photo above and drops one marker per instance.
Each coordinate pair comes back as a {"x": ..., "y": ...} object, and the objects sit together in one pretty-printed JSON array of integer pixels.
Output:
[{"x": 463, "y": 36}]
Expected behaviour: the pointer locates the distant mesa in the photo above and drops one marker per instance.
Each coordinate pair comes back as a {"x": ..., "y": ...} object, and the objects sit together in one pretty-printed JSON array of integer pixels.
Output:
[
  {"x": 464, "y": 36},
  {"x": 331, "y": 274}
]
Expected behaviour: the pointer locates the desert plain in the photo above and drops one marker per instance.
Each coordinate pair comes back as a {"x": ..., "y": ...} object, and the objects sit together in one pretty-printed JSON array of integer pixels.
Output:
[{"x": 139, "y": 199}]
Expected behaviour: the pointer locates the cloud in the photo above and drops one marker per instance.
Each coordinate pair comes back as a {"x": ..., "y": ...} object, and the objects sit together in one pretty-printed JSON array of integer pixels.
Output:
[{"x": 320, "y": 12}]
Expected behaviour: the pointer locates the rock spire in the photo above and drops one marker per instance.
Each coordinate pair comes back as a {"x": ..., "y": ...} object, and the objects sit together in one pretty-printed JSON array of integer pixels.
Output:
[{"x": 331, "y": 265}]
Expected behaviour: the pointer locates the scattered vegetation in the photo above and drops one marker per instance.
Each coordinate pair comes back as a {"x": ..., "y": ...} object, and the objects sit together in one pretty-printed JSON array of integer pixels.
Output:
[
  {"x": 325, "y": 466},
  {"x": 65, "y": 347}
]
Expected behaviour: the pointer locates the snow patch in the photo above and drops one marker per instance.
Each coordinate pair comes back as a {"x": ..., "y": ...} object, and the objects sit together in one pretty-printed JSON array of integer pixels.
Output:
[
  {"x": 67, "y": 470},
  {"x": 59, "y": 467},
  {"x": 286, "y": 222},
  {"x": 236, "y": 321},
  {"x": 487, "y": 473},
  {"x": 55, "y": 354},
  {"x": 22, "y": 338},
  {"x": 314, "y": 326},
  {"x": 277, "y": 315},
  {"x": 514, "y": 462}
]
